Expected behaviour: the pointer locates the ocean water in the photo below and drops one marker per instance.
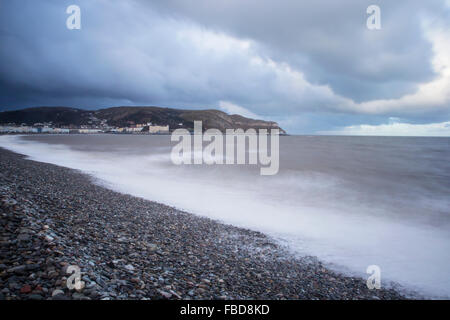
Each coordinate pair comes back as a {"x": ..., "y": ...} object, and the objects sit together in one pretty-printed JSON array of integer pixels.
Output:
[{"x": 350, "y": 201}]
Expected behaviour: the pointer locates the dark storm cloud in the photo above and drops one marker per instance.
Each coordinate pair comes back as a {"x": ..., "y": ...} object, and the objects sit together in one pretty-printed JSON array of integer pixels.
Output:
[
  {"x": 127, "y": 53},
  {"x": 329, "y": 40},
  {"x": 307, "y": 64}
]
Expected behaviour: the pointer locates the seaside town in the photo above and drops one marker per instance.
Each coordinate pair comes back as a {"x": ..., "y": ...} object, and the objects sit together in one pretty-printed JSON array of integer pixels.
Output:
[{"x": 144, "y": 128}]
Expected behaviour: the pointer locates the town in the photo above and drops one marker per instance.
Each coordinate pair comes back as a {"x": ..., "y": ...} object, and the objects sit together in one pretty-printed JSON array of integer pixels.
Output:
[{"x": 103, "y": 127}]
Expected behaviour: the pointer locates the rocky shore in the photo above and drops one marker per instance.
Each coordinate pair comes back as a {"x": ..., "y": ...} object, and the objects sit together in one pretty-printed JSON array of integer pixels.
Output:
[{"x": 131, "y": 248}]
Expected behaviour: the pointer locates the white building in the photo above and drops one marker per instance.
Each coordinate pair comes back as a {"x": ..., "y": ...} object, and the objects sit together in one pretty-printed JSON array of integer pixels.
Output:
[
  {"x": 14, "y": 129},
  {"x": 138, "y": 129},
  {"x": 61, "y": 130},
  {"x": 158, "y": 129},
  {"x": 90, "y": 131}
]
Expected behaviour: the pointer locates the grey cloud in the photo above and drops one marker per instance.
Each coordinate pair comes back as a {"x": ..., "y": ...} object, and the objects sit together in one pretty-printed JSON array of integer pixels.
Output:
[
  {"x": 128, "y": 54},
  {"x": 146, "y": 53},
  {"x": 329, "y": 40}
]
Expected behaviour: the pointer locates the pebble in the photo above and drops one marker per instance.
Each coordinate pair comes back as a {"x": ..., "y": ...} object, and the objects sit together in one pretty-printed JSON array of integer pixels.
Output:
[
  {"x": 129, "y": 267},
  {"x": 57, "y": 292},
  {"x": 79, "y": 296},
  {"x": 165, "y": 294},
  {"x": 25, "y": 289}
]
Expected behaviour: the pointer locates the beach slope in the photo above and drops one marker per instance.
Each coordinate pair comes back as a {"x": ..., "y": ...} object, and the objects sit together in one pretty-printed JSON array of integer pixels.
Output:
[{"x": 130, "y": 248}]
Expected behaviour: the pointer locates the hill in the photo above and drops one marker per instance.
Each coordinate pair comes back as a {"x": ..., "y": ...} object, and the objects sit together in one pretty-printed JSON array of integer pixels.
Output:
[{"x": 126, "y": 116}]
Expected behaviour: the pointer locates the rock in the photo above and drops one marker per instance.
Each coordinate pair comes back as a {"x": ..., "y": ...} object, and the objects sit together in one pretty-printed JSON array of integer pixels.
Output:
[
  {"x": 201, "y": 290},
  {"x": 175, "y": 294},
  {"x": 135, "y": 280},
  {"x": 165, "y": 294},
  {"x": 33, "y": 267},
  {"x": 25, "y": 289},
  {"x": 93, "y": 294},
  {"x": 79, "y": 296},
  {"x": 129, "y": 267},
  {"x": 14, "y": 286},
  {"x": 9, "y": 202},
  {"x": 24, "y": 237},
  {"x": 18, "y": 269},
  {"x": 53, "y": 274},
  {"x": 60, "y": 297},
  {"x": 57, "y": 292},
  {"x": 38, "y": 289}
]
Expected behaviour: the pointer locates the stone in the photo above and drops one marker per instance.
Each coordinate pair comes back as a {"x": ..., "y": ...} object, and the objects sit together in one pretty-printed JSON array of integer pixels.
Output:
[
  {"x": 25, "y": 289},
  {"x": 24, "y": 237},
  {"x": 37, "y": 289},
  {"x": 33, "y": 267},
  {"x": 57, "y": 292},
  {"x": 129, "y": 267},
  {"x": 18, "y": 269},
  {"x": 60, "y": 297},
  {"x": 165, "y": 294},
  {"x": 79, "y": 296}
]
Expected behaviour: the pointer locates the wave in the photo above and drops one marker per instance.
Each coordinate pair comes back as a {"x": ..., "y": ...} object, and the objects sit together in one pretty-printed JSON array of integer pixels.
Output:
[{"x": 299, "y": 208}]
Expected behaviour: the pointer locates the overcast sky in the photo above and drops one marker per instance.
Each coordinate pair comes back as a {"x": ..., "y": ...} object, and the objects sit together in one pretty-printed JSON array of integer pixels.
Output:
[{"x": 313, "y": 66}]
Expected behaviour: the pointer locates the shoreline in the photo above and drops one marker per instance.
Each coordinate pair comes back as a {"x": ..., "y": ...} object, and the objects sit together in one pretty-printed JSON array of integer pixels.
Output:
[{"x": 132, "y": 248}]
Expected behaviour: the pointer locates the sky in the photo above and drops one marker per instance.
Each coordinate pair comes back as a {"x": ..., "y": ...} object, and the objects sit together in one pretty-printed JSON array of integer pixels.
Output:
[{"x": 312, "y": 66}]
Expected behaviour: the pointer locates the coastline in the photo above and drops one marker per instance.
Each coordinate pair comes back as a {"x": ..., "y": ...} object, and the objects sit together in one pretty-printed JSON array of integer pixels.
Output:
[{"x": 131, "y": 248}]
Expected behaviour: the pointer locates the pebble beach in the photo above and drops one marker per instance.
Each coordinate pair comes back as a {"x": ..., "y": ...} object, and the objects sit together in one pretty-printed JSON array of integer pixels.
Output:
[{"x": 131, "y": 248}]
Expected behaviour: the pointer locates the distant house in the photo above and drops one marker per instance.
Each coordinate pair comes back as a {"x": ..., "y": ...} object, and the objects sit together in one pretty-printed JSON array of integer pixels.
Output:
[
  {"x": 46, "y": 129},
  {"x": 137, "y": 129},
  {"x": 89, "y": 131},
  {"x": 158, "y": 129},
  {"x": 61, "y": 130},
  {"x": 15, "y": 129}
]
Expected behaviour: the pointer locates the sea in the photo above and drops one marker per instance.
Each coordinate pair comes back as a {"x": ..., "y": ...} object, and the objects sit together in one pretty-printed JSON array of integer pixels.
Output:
[{"x": 352, "y": 202}]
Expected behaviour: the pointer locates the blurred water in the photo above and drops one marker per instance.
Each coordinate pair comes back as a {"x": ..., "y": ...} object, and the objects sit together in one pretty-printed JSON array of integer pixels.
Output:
[{"x": 351, "y": 201}]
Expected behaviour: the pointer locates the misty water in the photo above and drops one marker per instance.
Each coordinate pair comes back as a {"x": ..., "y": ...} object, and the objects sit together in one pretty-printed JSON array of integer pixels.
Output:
[{"x": 350, "y": 201}]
